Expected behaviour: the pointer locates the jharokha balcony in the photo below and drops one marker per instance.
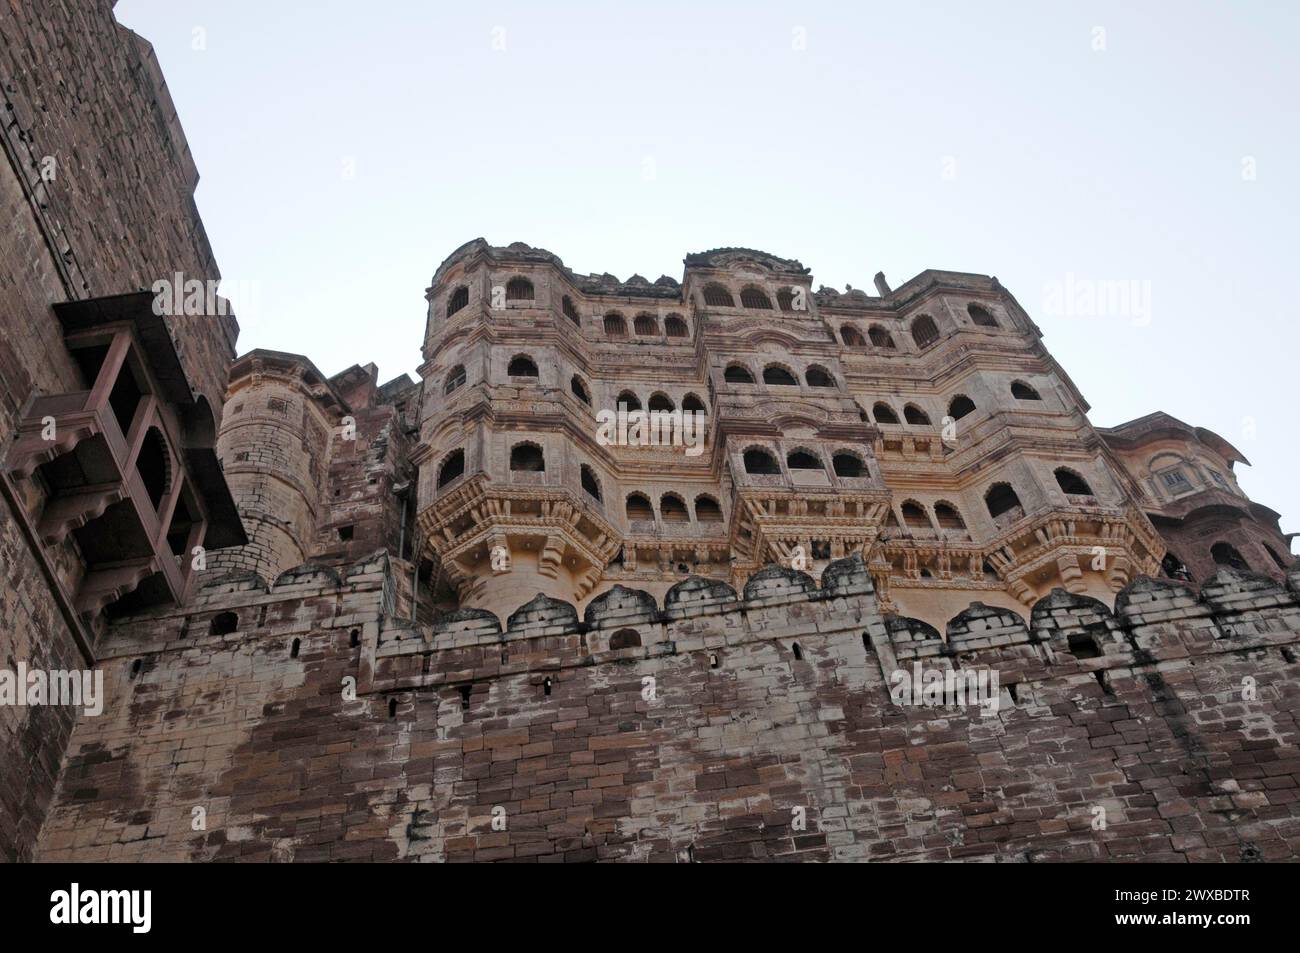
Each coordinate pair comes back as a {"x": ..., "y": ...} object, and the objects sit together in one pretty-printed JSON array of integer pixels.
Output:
[{"x": 126, "y": 468}]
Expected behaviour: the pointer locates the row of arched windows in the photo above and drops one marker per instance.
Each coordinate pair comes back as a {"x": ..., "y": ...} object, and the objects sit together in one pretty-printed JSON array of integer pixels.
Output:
[
  {"x": 815, "y": 375},
  {"x": 845, "y": 463},
  {"x": 756, "y": 299},
  {"x": 883, "y": 413},
  {"x": 923, "y": 329},
  {"x": 659, "y": 401},
  {"x": 645, "y": 325},
  {"x": 672, "y": 509}
]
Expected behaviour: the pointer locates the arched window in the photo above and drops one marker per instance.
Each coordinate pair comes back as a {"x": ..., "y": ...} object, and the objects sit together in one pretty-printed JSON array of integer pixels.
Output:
[
  {"x": 1225, "y": 554},
  {"x": 884, "y": 413},
  {"x": 755, "y": 298},
  {"x": 527, "y": 458},
  {"x": 776, "y": 374},
  {"x": 1022, "y": 391},
  {"x": 716, "y": 296},
  {"x": 848, "y": 465},
  {"x": 522, "y": 366},
  {"x": 981, "y": 316},
  {"x": 632, "y": 401},
  {"x": 852, "y": 337},
  {"x": 692, "y": 404},
  {"x": 947, "y": 516},
  {"x": 818, "y": 376},
  {"x": 785, "y": 299},
  {"x": 639, "y": 508},
  {"x": 570, "y": 312},
  {"x": 675, "y": 327},
  {"x": 660, "y": 401},
  {"x": 646, "y": 325},
  {"x": 224, "y": 623},
  {"x": 738, "y": 374},
  {"x": 914, "y": 515},
  {"x": 615, "y": 326},
  {"x": 579, "y": 390},
  {"x": 1071, "y": 483},
  {"x": 625, "y": 639},
  {"x": 458, "y": 299},
  {"x": 153, "y": 464},
  {"x": 880, "y": 337},
  {"x": 519, "y": 289},
  {"x": 1278, "y": 560},
  {"x": 803, "y": 460},
  {"x": 915, "y": 415},
  {"x": 760, "y": 462},
  {"x": 452, "y": 467},
  {"x": 455, "y": 379},
  {"x": 673, "y": 509},
  {"x": 1001, "y": 499},
  {"x": 589, "y": 482},
  {"x": 924, "y": 333},
  {"x": 707, "y": 510},
  {"x": 960, "y": 406},
  {"x": 1173, "y": 567}
]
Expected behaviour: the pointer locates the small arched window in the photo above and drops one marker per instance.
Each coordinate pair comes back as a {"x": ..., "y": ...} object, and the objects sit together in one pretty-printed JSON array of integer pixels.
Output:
[
  {"x": 646, "y": 325},
  {"x": 1022, "y": 391},
  {"x": 848, "y": 465},
  {"x": 570, "y": 311},
  {"x": 590, "y": 485},
  {"x": 924, "y": 333},
  {"x": 458, "y": 299},
  {"x": 716, "y": 296},
  {"x": 914, "y": 515},
  {"x": 785, "y": 299},
  {"x": 579, "y": 390},
  {"x": 630, "y": 400},
  {"x": 673, "y": 509},
  {"x": 803, "y": 460},
  {"x": 1001, "y": 499},
  {"x": 915, "y": 415},
  {"x": 455, "y": 379},
  {"x": 224, "y": 623},
  {"x": 661, "y": 401},
  {"x": 615, "y": 326},
  {"x": 884, "y": 413},
  {"x": 625, "y": 639},
  {"x": 519, "y": 289},
  {"x": 818, "y": 376},
  {"x": 675, "y": 327},
  {"x": 1225, "y": 554},
  {"x": 755, "y": 298},
  {"x": 981, "y": 316},
  {"x": 760, "y": 462},
  {"x": 880, "y": 337},
  {"x": 1277, "y": 560},
  {"x": 737, "y": 374},
  {"x": 776, "y": 374},
  {"x": 1173, "y": 567},
  {"x": 852, "y": 337},
  {"x": 960, "y": 406},
  {"x": 1071, "y": 483},
  {"x": 948, "y": 517},
  {"x": 452, "y": 467},
  {"x": 707, "y": 510},
  {"x": 692, "y": 404},
  {"x": 527, "y": 458},
  {"x": 639, "y": 508},
  {"x": 522, "y": 366}
]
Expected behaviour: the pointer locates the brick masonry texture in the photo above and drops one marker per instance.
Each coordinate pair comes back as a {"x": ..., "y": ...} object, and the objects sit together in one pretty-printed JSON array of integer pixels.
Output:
[{"x": 462, "y": 628}]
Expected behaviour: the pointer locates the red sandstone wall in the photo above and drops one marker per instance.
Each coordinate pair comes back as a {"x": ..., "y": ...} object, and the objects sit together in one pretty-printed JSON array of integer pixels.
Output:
[{"x": 1161, "y": 742}]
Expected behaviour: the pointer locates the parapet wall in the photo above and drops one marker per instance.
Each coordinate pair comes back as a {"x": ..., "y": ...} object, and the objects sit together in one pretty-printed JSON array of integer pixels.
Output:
[{"x": 720, "y": 725}]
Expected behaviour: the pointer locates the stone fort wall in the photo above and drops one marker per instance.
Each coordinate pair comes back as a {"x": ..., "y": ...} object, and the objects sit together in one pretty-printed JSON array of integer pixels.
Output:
[{"x": 1164, "y": 730}]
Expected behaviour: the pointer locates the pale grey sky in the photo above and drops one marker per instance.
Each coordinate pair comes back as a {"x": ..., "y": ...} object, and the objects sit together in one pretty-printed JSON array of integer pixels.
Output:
[{"x": 345, "y": 149}]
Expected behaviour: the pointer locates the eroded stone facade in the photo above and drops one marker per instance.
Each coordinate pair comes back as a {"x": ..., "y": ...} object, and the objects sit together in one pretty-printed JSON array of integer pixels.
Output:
[{"x": 452, "y": 620}]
